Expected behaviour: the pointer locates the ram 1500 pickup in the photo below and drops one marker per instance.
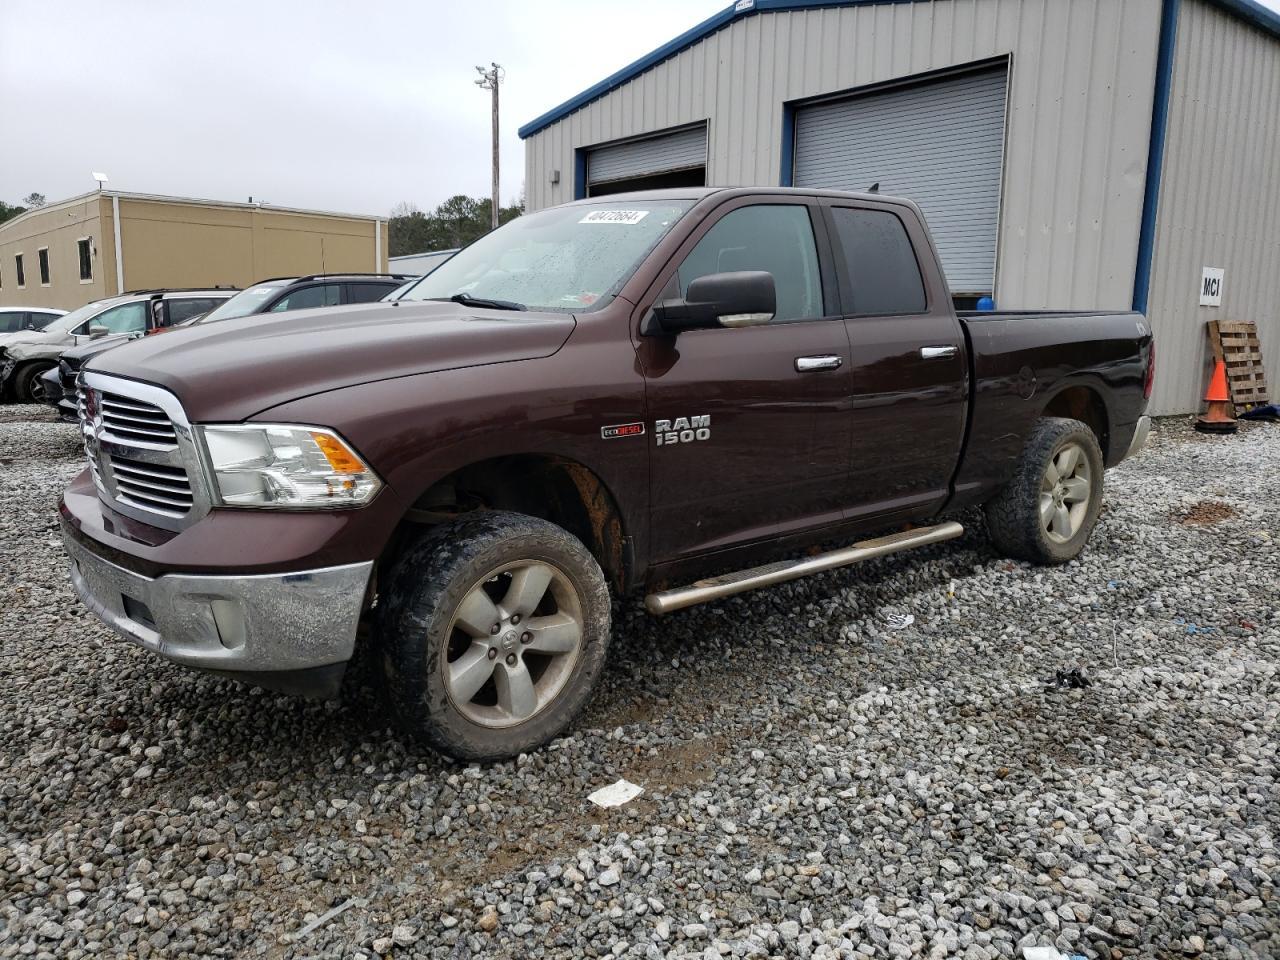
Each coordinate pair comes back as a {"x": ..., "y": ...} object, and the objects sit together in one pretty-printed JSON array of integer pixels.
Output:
[{"x": 667, "y": 393}]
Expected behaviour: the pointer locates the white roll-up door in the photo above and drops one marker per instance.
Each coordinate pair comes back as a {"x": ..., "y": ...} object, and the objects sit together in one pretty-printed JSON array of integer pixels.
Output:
[
  {"x": 939, "y": 143},
  {"x": 682, "y": 150}
]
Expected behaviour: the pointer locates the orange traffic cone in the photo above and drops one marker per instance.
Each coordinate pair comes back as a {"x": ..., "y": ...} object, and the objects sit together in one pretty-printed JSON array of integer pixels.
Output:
[{"x": 1218, "y": 418}]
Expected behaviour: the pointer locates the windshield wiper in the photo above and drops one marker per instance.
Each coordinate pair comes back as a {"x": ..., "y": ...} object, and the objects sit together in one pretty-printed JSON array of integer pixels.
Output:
[{"x": 468, "y": 300}]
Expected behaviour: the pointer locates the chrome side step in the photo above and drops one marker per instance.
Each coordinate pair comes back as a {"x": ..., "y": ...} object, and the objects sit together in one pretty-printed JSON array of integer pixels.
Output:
[{"x": 766, "y": 576}]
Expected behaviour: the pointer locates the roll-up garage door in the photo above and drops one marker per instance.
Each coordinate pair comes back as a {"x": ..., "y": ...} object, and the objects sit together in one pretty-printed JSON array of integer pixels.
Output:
[
  {"x": 939, "y": 143},
  {"x": 653, "y": 156}
]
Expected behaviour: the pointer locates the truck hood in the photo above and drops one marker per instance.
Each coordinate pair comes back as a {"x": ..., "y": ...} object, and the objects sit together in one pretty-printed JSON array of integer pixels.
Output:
[{"x": 231, "y": 369}]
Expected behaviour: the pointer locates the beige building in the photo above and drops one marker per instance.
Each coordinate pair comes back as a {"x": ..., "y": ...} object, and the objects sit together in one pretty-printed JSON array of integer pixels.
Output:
[{"x": 103, "y": 243}]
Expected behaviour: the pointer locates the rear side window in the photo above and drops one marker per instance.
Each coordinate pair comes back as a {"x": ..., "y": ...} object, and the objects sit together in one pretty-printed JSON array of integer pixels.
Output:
[
  {"x": 186, "y": 308},
  {"x": 322, "y": 295},
  {"x": 367, "y": 292},
  {"x": 776, "y": 238},
  {"x": 881, "y": 263}
]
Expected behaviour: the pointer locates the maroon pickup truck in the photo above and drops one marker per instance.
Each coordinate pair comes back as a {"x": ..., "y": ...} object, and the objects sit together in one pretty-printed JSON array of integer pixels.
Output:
[{"x": 667, "y": 392}]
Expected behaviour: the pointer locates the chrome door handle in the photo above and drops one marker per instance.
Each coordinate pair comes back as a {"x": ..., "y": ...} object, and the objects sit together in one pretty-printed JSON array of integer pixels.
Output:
[
  {"x": 826, "y": 362},
  {"x": 938, "y": 353}
]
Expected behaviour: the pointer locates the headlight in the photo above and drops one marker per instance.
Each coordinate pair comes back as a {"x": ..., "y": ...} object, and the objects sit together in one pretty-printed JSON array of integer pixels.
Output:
[{"x": 282, "y": 466}]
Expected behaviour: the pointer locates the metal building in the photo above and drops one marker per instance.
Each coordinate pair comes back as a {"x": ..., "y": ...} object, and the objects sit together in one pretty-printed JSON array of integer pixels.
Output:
[
  {"x": 99, "y": 244},
  {"x": 1070, "y": 154}
]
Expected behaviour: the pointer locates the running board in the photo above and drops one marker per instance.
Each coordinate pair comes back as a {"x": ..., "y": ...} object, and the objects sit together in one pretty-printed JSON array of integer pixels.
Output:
[{"x": 715, "y": 588}]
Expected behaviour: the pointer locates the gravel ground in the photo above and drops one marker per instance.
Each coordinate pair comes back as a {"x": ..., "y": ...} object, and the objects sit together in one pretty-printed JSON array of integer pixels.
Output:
[{"x": 816, "y": 782}]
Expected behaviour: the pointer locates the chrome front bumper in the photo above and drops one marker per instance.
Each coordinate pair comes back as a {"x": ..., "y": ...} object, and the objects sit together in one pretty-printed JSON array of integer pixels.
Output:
[
  {"x": 258, "y": 627},
  {"x": 1141, "y": 430}
]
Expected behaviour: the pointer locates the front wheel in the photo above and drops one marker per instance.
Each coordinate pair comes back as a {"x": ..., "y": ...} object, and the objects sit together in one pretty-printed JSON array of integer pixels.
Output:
[
  {"x": 1047, "y": 511},
  {"x": 493, "y": 631},
  {"x": 27, "y": 385}
]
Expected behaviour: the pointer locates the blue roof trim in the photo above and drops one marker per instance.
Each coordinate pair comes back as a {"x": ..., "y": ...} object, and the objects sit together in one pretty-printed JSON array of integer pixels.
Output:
[
  {"x": 1252, "y": 12},
  {"x": 1248, "y": 10}
]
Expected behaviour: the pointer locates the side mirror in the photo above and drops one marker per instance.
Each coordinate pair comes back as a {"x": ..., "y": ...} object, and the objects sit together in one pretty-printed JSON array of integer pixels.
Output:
[
  {"x": 96, "y": 332},
  {"x": 743, "y": 299}
]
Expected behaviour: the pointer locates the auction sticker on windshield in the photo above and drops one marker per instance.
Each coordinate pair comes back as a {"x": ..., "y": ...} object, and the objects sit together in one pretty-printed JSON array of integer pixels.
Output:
[{"x": 615, "y": 216}]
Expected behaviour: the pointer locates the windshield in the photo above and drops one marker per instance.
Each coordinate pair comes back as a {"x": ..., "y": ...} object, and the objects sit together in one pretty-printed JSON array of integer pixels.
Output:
[
  {"x": 245, "y": 302},
  {"x": 70, "y": 321},
  {"x": 572, "y": 258}
]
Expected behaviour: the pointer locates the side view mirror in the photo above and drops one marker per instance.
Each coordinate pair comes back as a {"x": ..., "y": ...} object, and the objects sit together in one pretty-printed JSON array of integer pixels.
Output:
[
  {"x": 96, "y": 332},
  {"x": 743, "y": 299}
]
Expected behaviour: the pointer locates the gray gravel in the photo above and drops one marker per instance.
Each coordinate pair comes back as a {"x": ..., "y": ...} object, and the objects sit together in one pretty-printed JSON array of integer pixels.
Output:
[{"x": 816, "y": 783}]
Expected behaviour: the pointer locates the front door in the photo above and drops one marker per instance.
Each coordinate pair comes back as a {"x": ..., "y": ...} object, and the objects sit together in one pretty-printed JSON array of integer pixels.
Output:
[
  {"x": 909, "y": 378},
  {"x": 749, "y": 434}
]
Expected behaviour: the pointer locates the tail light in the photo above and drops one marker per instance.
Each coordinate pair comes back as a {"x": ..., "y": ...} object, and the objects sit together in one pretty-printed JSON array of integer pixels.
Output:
[{"x": 1149, "y": 380}]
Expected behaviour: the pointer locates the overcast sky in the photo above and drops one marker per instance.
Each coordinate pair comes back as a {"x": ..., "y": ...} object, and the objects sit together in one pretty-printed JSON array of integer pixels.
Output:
[{"x": 325, "y": 104}]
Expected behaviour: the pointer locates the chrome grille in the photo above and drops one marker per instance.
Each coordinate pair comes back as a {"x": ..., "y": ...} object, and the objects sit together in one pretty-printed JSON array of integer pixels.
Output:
[
  {"x": 141, "y": 450},
  {"x": 134, "y": 420},
  {"x": 152, "y": 486}
]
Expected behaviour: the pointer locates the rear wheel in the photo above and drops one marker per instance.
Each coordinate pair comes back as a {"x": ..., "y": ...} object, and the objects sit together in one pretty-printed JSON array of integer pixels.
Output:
[
  {"x": 493, "y": 631},
  {"x": 1046, "y": 513}
]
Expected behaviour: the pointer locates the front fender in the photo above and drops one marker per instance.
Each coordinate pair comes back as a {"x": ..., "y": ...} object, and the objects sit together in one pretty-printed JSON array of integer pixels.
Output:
[{"x": 416, "y": 430}]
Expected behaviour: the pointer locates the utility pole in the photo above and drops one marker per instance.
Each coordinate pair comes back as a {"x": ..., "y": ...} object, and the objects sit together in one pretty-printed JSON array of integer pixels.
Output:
[{"x": 489, "y": 80}]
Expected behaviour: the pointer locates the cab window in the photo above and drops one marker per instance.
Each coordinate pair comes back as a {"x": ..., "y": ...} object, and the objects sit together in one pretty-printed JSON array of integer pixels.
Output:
[{"x": 775, "y": 238}]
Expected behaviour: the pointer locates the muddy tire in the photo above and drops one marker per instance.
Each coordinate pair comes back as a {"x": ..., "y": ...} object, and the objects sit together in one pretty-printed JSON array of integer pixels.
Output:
[
  {"x": 492, "y": 632},
  {"x": 1047, "y": 511}
]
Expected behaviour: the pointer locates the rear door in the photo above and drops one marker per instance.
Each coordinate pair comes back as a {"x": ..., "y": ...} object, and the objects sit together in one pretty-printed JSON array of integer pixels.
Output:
[
  {"x": 744, "y": 443},
  {"x": 909, "y": 380}
]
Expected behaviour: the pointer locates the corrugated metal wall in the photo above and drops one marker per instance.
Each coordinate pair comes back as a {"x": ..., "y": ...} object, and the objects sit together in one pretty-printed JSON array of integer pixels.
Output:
[
  {"x": 1080, "y": 99},
  {"x": 1219, "y": 199}
]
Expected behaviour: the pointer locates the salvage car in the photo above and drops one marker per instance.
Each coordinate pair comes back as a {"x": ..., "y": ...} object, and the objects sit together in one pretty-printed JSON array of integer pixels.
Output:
[
  {"x": 26, "y": 357},
  {"x": 680, "y": 394}
]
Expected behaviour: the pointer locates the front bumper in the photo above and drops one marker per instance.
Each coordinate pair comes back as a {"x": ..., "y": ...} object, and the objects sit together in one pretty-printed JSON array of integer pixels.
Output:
[{"x": 293, "y": 632}]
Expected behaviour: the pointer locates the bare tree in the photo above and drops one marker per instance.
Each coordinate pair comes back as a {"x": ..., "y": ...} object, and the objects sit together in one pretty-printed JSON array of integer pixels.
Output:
[{"x": 33, "y": 200}]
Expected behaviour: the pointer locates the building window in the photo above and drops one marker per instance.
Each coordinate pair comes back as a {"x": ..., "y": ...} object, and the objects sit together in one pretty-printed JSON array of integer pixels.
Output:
[
  {"x": 17, "y": 268},
  {"x": 84, "y": 248},
  {"x": 43, "y": 256}
]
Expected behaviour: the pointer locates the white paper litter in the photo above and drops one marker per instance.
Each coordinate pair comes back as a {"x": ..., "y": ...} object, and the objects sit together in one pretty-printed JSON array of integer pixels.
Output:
[
  {"x": 616, "y": 794},
  {"x": 900, "y": 621}
]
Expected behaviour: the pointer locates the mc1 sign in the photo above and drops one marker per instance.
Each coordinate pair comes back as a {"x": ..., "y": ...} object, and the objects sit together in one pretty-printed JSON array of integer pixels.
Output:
[{"x": 1211, "y": 287}]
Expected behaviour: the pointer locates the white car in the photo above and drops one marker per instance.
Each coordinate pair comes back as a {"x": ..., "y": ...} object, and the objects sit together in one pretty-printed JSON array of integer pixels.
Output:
[{"x": 21, "y": 319}]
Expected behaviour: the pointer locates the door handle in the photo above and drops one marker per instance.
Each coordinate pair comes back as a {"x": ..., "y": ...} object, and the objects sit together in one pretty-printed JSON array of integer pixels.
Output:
[
  {"x": 825, "y": 362},
  {"x": 938, "y": 353}
]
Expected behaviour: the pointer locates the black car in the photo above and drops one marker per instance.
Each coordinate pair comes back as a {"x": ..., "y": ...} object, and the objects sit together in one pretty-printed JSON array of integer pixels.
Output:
[{"x": 301, "y": 293}]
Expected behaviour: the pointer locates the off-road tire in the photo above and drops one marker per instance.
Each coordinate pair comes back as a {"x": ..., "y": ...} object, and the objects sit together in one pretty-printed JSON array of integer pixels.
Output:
[
  {"x": 25, "y": 380},
  {"x": 1013, "y": 515},
  {"x": 417, "y": 605}
]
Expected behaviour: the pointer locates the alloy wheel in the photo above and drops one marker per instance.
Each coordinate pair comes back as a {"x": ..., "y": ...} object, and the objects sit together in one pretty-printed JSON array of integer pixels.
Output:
[{"x": 513, "y": 643}]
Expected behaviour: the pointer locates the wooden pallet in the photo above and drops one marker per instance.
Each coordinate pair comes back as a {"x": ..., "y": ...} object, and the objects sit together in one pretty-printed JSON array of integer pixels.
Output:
[{"x": 1236, "y": 344}]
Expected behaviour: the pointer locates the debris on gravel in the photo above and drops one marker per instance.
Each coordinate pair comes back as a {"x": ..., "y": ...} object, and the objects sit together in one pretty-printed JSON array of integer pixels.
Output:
[{"x": 816, "y": 783}]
